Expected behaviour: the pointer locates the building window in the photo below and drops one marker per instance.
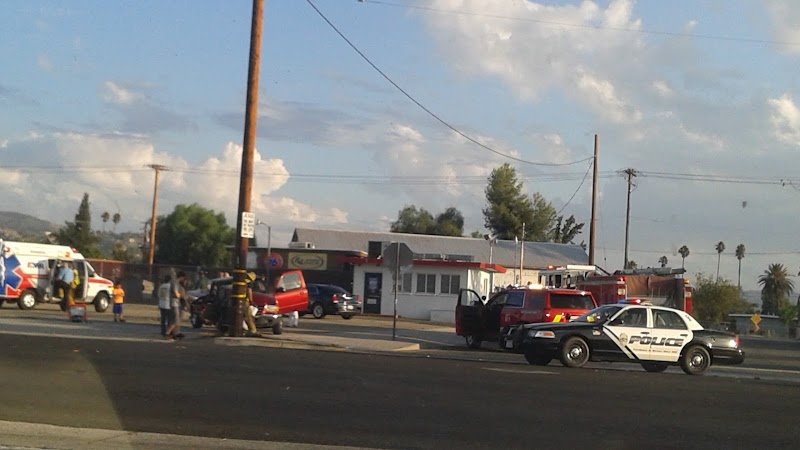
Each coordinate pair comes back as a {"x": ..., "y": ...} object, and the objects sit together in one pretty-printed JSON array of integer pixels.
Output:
[
  {"x": 404, "y": 284},
  {"x": 426, "y": 283},
  {"x": 450, "y": 284}
]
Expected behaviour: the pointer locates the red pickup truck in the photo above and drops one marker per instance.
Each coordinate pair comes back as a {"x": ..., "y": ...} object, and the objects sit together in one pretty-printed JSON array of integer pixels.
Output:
[{"x": 285, "y": 293}]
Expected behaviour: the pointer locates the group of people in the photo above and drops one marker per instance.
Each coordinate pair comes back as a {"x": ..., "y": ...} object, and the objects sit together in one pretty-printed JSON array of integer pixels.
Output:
[{"x": 171, "y": 302}]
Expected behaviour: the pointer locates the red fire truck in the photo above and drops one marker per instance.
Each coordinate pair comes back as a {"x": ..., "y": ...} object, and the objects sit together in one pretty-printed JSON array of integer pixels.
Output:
[{"x": 661, "y": 286}]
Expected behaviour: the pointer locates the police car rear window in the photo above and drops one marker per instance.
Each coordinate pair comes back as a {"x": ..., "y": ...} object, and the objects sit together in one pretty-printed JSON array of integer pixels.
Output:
[{"x": 571, "y": 301}]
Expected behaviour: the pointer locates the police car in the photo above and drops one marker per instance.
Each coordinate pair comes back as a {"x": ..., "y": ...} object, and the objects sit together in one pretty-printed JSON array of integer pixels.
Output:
[{"x": 653, "y": 336}]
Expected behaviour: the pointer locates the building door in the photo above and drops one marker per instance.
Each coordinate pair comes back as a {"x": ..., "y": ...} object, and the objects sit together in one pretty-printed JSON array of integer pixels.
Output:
[{"x": 373, "y": 285}]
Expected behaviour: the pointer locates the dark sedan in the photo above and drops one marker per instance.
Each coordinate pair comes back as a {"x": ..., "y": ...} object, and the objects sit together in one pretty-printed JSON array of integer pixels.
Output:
[{"x": 324, "y": 299}]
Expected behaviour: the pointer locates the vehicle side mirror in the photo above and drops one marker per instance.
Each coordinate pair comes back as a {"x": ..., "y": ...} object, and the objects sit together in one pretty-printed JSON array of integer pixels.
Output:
[{"x": 280, "y": 289}]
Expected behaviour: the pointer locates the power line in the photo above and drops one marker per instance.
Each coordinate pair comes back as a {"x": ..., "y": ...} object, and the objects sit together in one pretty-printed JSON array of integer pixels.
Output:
[
  {"x": 576, "y": 190},
  {"x": 424, "y": 108},
  {"x": 584, "y": 26}
]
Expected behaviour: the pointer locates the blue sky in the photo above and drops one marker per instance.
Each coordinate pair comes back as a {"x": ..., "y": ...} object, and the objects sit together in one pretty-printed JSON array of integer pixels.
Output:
[{"x": 678, "y": 90}]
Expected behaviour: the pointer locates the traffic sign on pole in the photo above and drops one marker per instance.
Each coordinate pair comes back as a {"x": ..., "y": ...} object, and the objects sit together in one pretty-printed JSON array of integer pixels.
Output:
[{"x": 248, "y": 225}]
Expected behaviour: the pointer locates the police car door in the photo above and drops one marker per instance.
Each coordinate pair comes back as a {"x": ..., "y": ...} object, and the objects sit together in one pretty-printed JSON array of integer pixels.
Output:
[
  {"x": 630, "y": 333},
  {"x": 670, "y": 334}
]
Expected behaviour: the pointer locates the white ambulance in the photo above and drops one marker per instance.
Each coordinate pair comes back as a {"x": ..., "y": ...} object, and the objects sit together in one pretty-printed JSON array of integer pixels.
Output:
[{"x": 27, "y": 271}]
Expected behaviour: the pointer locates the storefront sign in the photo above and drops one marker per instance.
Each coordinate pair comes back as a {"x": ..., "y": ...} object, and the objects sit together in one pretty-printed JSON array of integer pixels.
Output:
[{"x": 308, "y": 261}]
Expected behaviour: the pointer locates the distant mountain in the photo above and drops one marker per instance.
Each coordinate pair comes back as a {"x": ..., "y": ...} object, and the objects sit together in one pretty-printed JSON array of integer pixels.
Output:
[{"x": 14, "y": 225}]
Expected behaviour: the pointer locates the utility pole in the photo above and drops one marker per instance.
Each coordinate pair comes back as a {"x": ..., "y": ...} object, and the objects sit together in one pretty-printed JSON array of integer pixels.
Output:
[
  {"x": 158, "y": 168},
  {"x": 631, "y": 174},
  {"x": 593, "y": 224},
  {"x": 522, "y": 253},
  {"x": 239, "y": 293}
]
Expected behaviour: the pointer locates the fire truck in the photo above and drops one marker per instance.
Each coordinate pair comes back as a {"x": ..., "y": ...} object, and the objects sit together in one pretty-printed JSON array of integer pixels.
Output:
[{"x": 662, "y": 286}]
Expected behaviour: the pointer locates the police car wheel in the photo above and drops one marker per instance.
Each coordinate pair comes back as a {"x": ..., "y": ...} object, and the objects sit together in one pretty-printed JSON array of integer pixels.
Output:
[
  {"x": 574, "y": 352},
  {"x": 655, "y": 367},
  {"x": 537, "y": 359},
  {"x": 473, "y": 341},
  {"x": 695, "y": 360}
]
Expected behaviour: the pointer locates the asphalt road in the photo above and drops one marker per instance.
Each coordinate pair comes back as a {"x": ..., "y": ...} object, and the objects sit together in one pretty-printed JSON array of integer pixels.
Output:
[{"x": 202, "y": 388}]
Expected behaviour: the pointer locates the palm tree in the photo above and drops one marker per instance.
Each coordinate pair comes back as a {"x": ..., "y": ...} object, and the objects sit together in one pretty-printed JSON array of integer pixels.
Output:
[
  {"x": 631, "y": 264},
  {"x": 776, "y": 288},
  {"x": 684, "y": 252},
  {"x": 663, "y": 261},
  {"x": 740, "y": 256},
  {"x": 116, "y": 220},
  {"x": 105, "y": 216},
  {"x": 720, "y": 248}
]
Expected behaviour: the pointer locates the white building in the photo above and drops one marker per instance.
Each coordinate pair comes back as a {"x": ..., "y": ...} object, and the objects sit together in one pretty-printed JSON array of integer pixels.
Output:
[{"x": 442, "y": 265}]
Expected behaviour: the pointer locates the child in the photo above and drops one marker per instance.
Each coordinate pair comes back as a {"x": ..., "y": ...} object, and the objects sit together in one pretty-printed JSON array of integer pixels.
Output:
[{"x": 119, "y": 297}]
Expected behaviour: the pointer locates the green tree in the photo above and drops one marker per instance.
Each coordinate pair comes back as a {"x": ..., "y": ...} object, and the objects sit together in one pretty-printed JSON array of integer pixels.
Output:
[
  {"x": 740, "y": 256},
  {"x": 105, "y": 216},
  {"x": 116, "y": 220},
  {"x": 776, "y": 288},
  {"x": 78, "y": 234},
  {"x": 631, "y": 264},
  {"x": 715, "y": 299},
  {"x": 449, "y": 223},
  {"x": 544, "y": 220},
  {"x": 663, "y": 261},
  {"x": 420, "y": 221},
  {"x": 507, "y": 207},
  {"x": 193, "y": 235},
  {"x": 564, "y": 233},
  {"x": 684, "y": 252},
  {"x": 720, "y": 247}
]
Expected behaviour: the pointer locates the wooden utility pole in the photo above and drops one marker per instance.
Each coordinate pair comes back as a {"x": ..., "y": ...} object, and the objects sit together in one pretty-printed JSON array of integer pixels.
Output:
[
  {"x": 157, "y": 168},
  {"x": 593, "y": 224},
  {"x": 239, "y": 293},
  {"x": 631, "y": 174}
]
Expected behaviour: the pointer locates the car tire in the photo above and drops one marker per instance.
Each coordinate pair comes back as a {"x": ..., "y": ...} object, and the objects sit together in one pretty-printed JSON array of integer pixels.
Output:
[
  {"x": 278, "y": 327},
  {"x": 101, "y": 302},
  {"x": 27, "y": 300},
  {"x": 654, "y": 367},
  {"x": 473, "y": 341},
  {"x": 574, "y": 352},
  {"x": 695, "y": 360},
  {"x": 537, "y": 359},
  {"x": 196, "y": 320},
  {"x": 347, "y": 316},
  {"x": 318, "y": 311}
]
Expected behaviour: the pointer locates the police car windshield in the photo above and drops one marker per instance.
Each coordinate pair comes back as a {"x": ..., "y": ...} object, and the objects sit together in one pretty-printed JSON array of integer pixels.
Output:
[{"x": 599, "y": 315}]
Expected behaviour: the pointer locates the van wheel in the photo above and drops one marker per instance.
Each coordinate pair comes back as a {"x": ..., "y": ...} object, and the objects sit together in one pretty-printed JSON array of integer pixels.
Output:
[
  {"x": 473, "y": 341},
  {"x": 318, "y": 311},
  {"x": 101, "y": 302},
  {"x": 278, "y": 327},
  {"x": 574, "y": 352},
  {"x": 27, "y": 300}
]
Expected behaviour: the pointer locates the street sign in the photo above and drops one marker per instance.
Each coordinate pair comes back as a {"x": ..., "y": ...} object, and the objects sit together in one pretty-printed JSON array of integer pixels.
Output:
[
  {"x": 397, "y": 255},
  {"x": 248, "y": 225},
  {"x": 755, "y": 318}
]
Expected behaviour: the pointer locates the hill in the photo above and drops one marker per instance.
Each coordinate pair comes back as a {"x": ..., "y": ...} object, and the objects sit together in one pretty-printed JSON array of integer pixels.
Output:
[{"x": 14, "y": 225}]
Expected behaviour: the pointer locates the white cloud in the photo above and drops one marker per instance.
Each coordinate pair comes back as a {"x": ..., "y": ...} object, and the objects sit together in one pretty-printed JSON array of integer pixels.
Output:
[
  {"x": 785, "y": 15},
  {"x": 602, "y": 97},
  {"x": 662, "y": 89},
  {"x": 116, "y": 93},
  {"x": 44, "y": 63},
  {"x": 785, "y": 118}
]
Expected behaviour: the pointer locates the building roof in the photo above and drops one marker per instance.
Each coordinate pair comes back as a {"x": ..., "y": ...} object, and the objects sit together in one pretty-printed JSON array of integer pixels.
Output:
[{"x": 538, "y": 255}]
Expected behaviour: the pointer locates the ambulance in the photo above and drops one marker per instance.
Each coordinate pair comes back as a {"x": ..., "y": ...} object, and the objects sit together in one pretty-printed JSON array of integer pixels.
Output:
[{"x": 27, "y": 272}]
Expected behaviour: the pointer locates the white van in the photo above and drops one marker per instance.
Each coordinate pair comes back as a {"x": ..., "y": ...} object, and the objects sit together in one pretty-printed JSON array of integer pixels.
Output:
[{"x": 27, "y": 271}]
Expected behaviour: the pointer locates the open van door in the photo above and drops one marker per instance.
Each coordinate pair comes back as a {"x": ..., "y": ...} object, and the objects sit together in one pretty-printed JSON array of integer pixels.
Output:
[
  {"x": 469, "y": 317},
  {"x": 80, "y": 291}
]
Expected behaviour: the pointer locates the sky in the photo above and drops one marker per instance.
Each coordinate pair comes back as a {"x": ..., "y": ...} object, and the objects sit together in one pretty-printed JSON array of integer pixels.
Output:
[{"x": 700, "y": 97}]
